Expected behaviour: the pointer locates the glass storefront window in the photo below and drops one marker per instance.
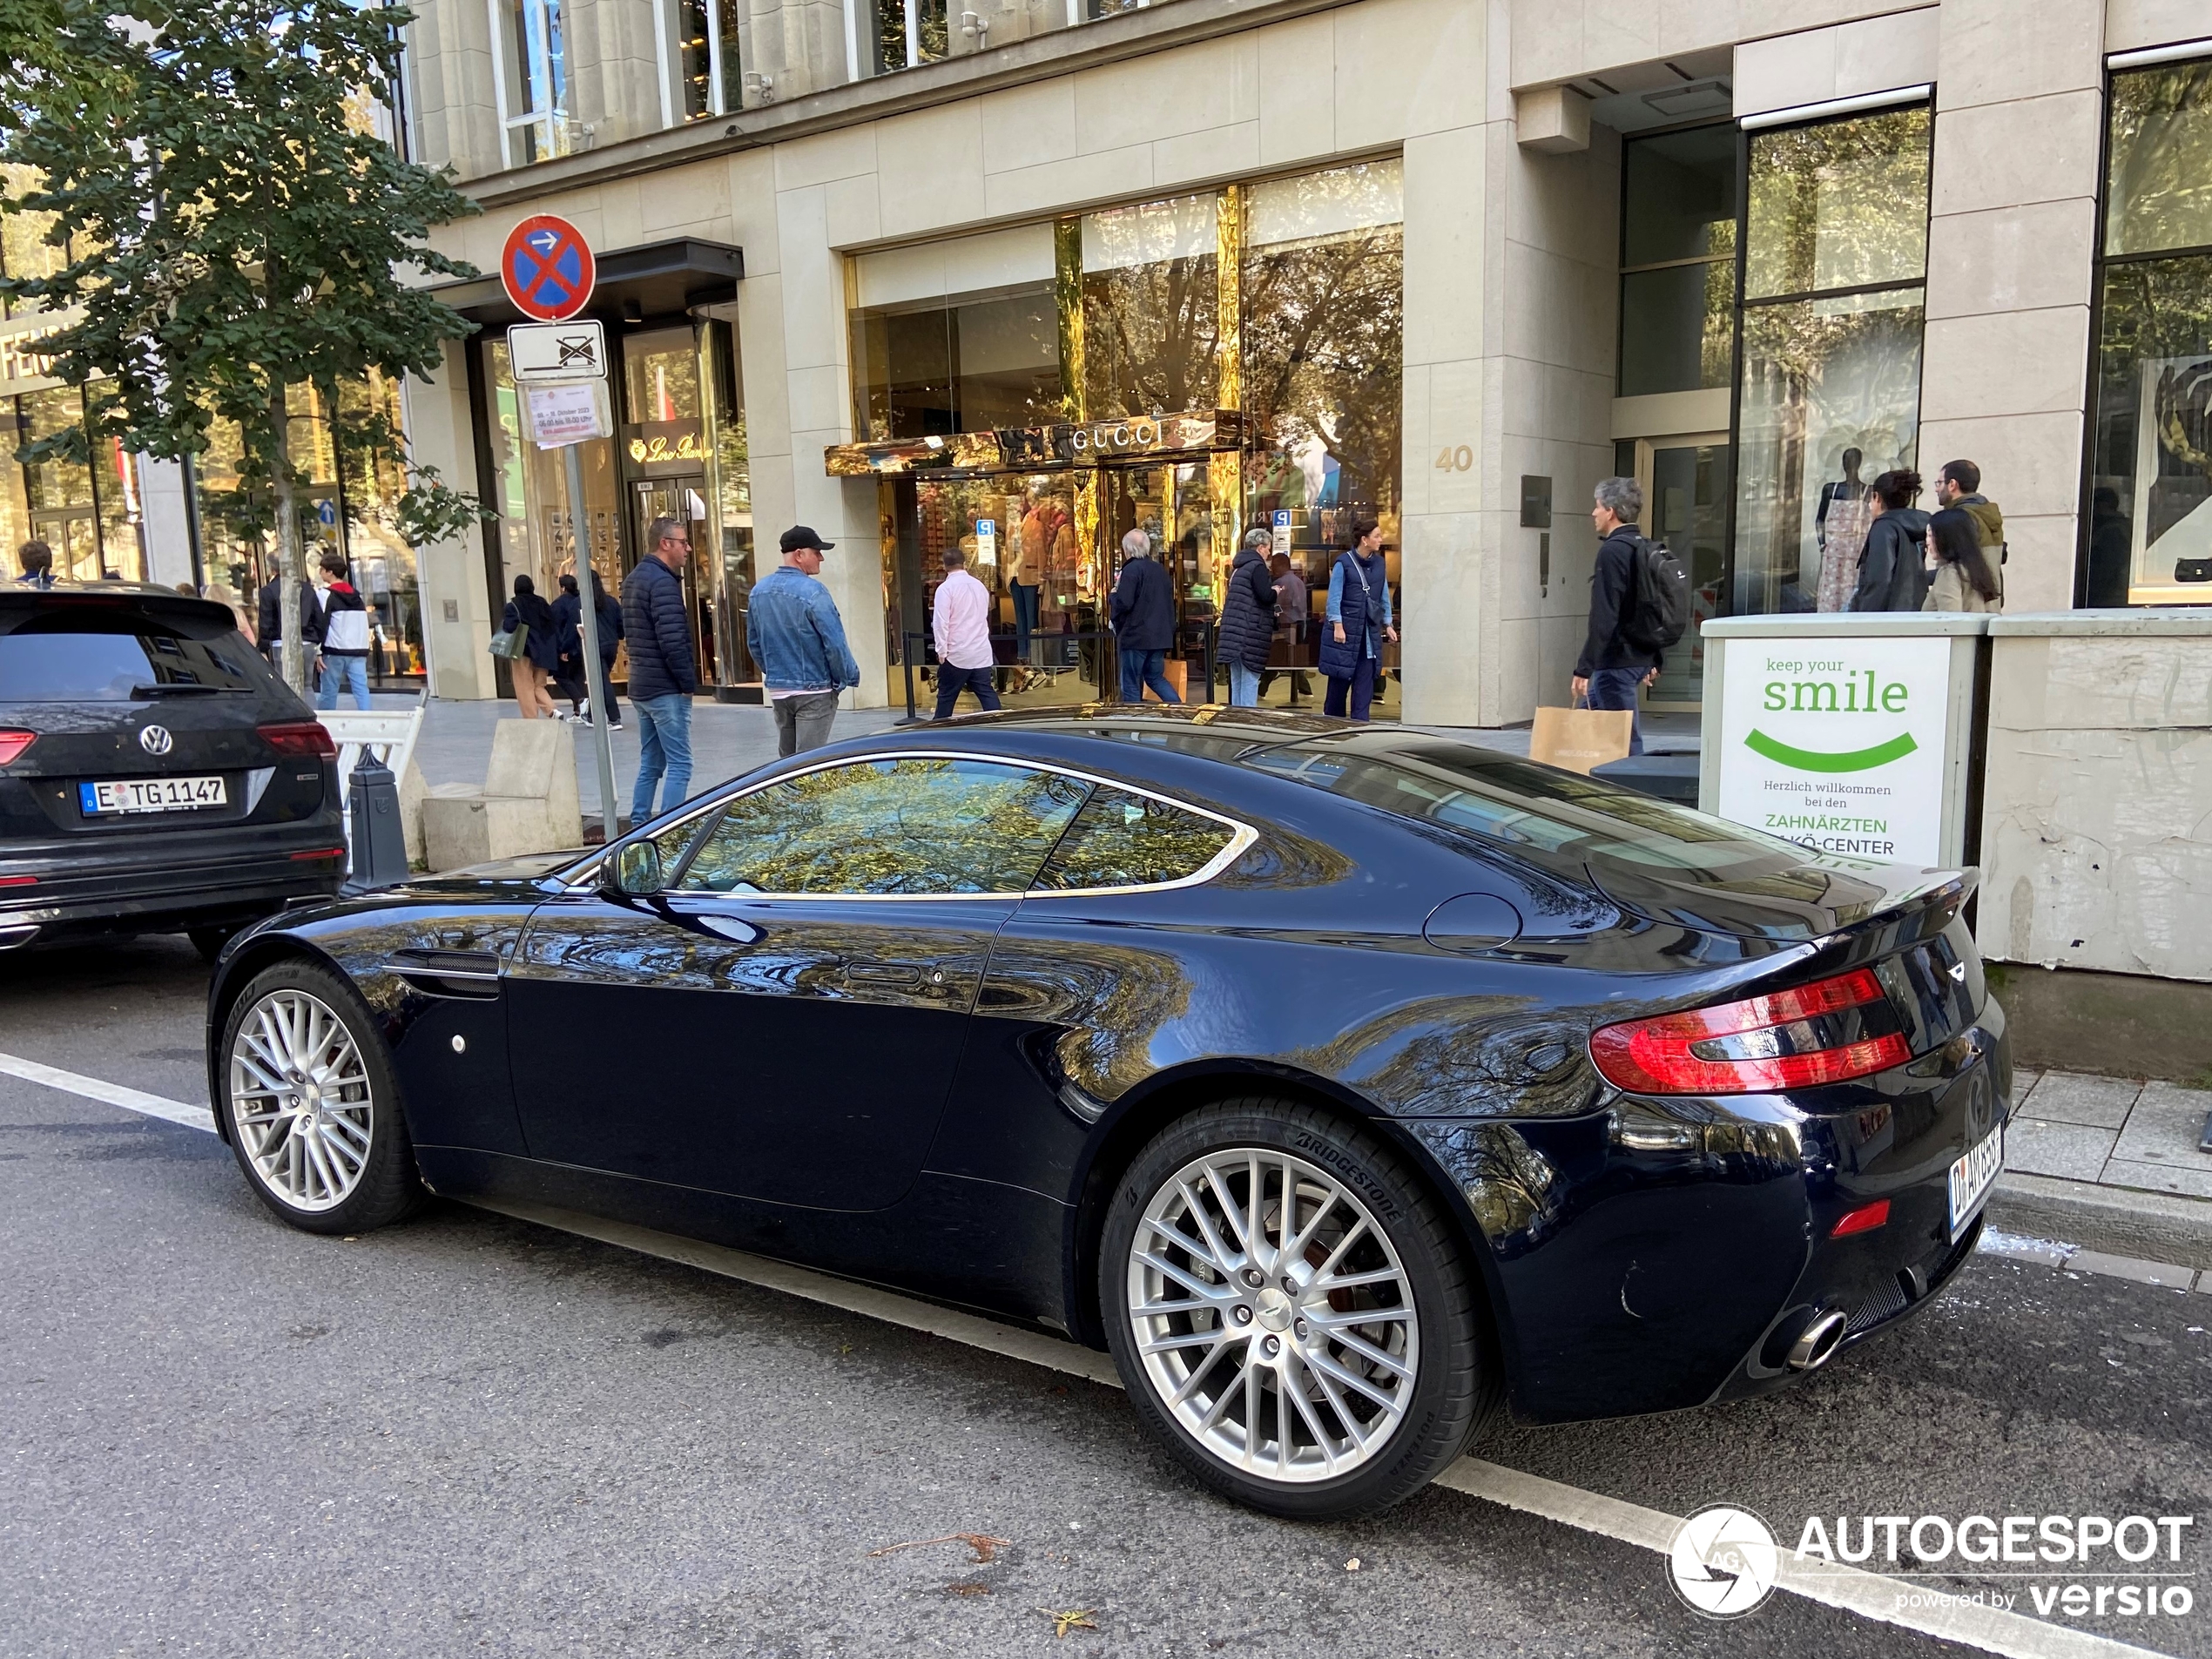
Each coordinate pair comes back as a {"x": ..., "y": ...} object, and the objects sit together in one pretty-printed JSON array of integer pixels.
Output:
[
  {"x": 1829, "y": 383},
  {"x": 1677, "y": 260},
  {"x": 956, "y": 340},
  {"x": 730, "y": 483},
  {"x": 532, "y": 495},
  {"x": 1831, "y": 400},
  {"x": 2158, "y": 185},
  {"x": 1676, "y": 324},
  {"x": 1151, "y": 308},
  {"x": 1324, "y": 373},
  {"x": 2146, "y": 538},
  {"x": 1838, "y": 205}
]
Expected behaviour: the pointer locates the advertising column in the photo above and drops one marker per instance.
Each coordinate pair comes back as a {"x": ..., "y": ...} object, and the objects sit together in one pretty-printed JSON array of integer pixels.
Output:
[{"x": 1850, "y": 734}]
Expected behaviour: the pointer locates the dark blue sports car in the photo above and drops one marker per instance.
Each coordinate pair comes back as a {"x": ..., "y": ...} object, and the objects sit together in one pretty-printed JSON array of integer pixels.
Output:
[{"x": 1343, "y": 1081}]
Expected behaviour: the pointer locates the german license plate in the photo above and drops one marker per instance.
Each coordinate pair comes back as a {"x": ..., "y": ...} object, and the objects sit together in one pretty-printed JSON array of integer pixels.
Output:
[
  {"x": 1973, "y": 1176},
  {"x": 151, "y": 795}
]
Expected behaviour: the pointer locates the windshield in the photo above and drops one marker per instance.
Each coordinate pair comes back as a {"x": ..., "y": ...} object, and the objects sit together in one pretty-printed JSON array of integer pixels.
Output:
[{"x": 115, "y": 656}]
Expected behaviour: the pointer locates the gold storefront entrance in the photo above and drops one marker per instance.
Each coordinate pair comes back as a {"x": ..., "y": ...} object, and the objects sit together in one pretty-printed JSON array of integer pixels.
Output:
[{"x": 1048, "y": 542}]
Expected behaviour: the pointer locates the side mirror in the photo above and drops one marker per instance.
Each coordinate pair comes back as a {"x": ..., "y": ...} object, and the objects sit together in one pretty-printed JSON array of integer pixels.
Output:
[{"x": 636, "y": 870}]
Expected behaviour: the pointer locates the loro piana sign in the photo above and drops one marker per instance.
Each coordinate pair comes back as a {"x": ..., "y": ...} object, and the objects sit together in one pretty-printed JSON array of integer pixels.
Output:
[{"x": 1838, "y": 743}]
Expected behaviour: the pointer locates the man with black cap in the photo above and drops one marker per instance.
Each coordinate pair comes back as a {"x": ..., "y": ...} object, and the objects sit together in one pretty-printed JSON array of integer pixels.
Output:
[{"x": 796, "y": 635}]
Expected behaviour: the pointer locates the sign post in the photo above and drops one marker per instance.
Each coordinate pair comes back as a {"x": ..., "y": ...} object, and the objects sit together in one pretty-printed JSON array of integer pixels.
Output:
[
  {"x": 1849, "y": 733},
  {"x": 548, "y": 272}
]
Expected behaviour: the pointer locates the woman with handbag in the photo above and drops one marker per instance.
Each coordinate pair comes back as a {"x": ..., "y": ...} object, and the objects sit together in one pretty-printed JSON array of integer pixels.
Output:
[
  {"x": 1358, "y": 621},
  {"x": 535, "y": 653}
]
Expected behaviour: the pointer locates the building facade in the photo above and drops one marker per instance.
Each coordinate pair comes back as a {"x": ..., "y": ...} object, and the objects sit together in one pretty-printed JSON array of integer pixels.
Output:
[{"x": 1026, "y": 278}]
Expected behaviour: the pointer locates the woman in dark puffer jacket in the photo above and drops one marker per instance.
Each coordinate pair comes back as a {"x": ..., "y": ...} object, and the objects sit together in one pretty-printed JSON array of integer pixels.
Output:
[
  {"x": 1890, "y": 576},
  {"x": 1248, "y": 619}
]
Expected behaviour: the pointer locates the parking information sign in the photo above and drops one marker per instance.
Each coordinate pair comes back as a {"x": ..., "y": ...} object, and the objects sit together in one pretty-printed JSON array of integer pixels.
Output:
[
  {"x": 547, "y": 268},
  {"x": 1838, "y": 743},
  {"x": 557, "y": 351}
]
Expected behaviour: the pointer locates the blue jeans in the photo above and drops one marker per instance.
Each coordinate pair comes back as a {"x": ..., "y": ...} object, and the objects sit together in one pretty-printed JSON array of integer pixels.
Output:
[
  {"x": 1244, "y": 686},
  {"x": 1144, "y": 668},
  {"x": 354, "y": 670},
  {"x": 1025, "y": 616},
  {"x": 663, "y": 746},
  {"x": 951, "y": 682},
  {"x": 1615, "y": 688}
]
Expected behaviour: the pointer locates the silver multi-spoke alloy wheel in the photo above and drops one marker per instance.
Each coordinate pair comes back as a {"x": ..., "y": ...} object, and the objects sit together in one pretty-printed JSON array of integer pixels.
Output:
[
  {"x": 1273, "y": 1315},
  {"x": 300, "y": 1100}
]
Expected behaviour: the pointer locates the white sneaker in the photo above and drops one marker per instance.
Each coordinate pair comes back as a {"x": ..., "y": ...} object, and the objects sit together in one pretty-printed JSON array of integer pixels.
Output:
[{"x": 614, "y": 725}]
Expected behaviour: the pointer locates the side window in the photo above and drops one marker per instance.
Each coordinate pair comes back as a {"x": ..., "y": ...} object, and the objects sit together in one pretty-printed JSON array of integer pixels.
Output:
[
  {"x": 1125, "y": 840},
  {"x": 909, "y": 825}
]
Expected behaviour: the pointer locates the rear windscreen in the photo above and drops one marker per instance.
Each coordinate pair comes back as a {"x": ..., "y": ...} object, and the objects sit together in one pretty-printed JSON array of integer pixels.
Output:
[
  {"x": 113, "y": 656},
  {"x": 1533, "y": 808}
]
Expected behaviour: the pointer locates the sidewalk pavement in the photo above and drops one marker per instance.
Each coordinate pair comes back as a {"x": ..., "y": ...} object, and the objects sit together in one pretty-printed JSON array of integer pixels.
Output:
[{"x": 2109, "y": 1163}]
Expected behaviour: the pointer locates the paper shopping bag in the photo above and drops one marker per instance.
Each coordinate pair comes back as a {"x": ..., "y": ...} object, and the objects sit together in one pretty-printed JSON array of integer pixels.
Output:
[{"x": 1578, "y": 740}]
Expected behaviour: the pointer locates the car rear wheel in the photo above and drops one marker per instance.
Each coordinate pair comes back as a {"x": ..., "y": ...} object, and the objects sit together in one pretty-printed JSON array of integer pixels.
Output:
[
  {"x": 1290, "y": 1311},
  {"x": 311, "y": 1106}
]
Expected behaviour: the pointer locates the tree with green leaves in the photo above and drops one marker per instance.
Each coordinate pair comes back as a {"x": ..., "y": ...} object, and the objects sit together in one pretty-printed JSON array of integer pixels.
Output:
[{"x": 235, "y": 231}]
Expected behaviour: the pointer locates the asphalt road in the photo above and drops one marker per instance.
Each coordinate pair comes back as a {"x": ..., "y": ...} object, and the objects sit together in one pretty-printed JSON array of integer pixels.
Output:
[{"x": 473, "y": 1435}]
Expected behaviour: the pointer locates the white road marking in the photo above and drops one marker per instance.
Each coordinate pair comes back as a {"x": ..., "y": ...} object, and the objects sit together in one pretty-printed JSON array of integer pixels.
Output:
[
  {"x": 1870, "y": 1595},
  {"x": 131, "y": 1100}
]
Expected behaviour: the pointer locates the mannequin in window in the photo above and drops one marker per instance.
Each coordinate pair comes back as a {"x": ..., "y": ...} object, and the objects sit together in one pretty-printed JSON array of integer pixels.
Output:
[{"x": 1845, "y": 514}]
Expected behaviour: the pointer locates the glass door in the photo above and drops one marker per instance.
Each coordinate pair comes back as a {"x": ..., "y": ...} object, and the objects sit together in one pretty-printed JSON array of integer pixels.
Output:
[
  {"x": 684, "y": 499},
  {"x": 1017, "y": 534},
  {"x": 1686, "y": 484},
  {"x": 1172, "y": 504}
]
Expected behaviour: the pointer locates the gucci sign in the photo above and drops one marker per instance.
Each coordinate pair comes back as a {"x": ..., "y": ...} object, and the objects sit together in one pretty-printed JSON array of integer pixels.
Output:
[{"x": 1114, "y": 437}]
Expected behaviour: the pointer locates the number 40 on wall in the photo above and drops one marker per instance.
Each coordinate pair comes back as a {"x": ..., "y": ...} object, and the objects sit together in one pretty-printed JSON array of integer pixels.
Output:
[{"x": 1459, "y": 460}]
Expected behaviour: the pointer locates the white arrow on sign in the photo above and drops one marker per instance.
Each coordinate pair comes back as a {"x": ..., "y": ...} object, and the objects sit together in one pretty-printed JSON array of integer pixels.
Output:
[{"x": 556, "y": 351}]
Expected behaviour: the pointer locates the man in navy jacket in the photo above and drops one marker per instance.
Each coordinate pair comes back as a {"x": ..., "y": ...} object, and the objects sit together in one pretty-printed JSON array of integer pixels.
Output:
[
  {"x": 1612, "y": 668},
  {"x": 1142, "y": 612},
  {"x": 663, "y": 674}
]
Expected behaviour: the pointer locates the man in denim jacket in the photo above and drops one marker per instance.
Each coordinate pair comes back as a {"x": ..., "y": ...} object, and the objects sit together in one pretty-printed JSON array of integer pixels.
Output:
[{"x": 796, "y": 635}]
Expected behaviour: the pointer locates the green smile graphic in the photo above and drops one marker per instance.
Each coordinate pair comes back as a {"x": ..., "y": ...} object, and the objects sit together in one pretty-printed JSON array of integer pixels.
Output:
[{"x": 1814, "y": 760}]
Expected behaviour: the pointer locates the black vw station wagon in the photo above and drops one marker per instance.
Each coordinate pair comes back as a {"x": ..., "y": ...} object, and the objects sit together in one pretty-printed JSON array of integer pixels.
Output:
[
  {"x": 155, "y": 775},
  {"x": 1344, "y": 1082}
]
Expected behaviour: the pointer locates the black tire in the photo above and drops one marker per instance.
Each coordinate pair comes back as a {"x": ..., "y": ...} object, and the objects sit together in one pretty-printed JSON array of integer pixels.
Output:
[
  {"x": 1442, "y": 1397},
  {"x": 385, "y": 1187}
]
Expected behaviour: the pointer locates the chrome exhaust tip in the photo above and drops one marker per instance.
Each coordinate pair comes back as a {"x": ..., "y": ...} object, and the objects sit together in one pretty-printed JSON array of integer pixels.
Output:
[
  {"x": 12, "y": 937},
  {"x": 1817, "y": 1342}
]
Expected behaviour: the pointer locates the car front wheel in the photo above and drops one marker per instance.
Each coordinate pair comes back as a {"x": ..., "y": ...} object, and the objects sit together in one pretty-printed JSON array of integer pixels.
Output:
[
  {"x": 311, "y": 1104},
  {"x": 1290, "y": 1311}
]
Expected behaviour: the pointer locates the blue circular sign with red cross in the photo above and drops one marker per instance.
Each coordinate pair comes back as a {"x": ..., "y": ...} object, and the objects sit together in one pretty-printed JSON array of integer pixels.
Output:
[{"x": 548, "y": 268}]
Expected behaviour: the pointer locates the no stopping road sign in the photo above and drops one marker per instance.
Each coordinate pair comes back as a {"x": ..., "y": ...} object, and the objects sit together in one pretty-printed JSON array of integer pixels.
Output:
[{"x": 548, "y": 268}]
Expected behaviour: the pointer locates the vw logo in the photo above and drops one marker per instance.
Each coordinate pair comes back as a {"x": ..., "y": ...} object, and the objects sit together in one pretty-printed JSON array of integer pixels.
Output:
[{"x": 155, "y": 740}]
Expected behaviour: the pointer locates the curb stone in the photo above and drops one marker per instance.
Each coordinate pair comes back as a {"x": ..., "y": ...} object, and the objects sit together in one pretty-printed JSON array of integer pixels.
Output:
[
  {"x": 2072, "y": 1258},
  {"x": 2116, "y": 1221}
]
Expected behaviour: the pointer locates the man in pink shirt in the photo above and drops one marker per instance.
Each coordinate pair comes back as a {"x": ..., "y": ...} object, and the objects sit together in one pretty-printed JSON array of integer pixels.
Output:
[{"x": 962, "y": 622}]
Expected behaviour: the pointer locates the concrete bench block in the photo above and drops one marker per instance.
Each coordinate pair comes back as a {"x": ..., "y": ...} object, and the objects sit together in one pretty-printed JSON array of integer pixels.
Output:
[{"x": 527, "y": 803}]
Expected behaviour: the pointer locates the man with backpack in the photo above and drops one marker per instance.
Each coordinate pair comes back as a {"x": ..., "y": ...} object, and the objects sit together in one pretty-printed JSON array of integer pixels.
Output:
[{"x": 1639, "y": 606}]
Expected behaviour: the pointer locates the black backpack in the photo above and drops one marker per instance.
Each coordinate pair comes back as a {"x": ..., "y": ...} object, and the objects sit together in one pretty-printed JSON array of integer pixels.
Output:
[{"x": 1661, "y": 614}]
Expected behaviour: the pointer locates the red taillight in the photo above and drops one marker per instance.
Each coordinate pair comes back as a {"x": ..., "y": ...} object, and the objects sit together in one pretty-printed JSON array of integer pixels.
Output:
[
  {"x": 14, "y": 743},
  {"x": 18, "y": 881},
  {"x": 299, "y": 738},
  {"x": 1864, "y": 1219},
  {"x": 322, "y": 852},
  {"x": 1795, "y": 1039}
]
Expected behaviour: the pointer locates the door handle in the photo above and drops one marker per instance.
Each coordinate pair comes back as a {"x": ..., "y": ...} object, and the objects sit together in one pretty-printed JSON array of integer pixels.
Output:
[{"x": 883, "y": 973}]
